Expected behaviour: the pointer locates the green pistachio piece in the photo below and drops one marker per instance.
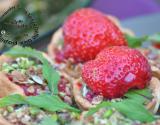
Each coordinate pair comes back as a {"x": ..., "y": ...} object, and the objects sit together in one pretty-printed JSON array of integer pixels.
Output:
[
  {"x": 10, "y": 109},
  {"x": 34, "y": 110},
  {"x": 54, "y": 116},
  {"x": 24, "y": 63},
  {"x": 15, "y": 66},
  {"x": 7, "y": 68},
  {"x": 108, "y": 113},
  {"x": 75, "y": 115}
]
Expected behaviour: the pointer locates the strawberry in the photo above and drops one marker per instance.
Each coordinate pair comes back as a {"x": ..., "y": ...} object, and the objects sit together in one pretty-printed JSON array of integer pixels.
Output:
[
  {"x": 86, "y": 32},
  {"x": 156, "y": 45},
  {"x": 115, "y": 70}
]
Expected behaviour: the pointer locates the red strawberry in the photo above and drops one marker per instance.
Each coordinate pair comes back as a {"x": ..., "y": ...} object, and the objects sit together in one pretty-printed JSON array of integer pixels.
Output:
[
  {"x": 87, "y": 32},
  {"x": 156, "y": 45},
  {"x": 116, "y": 70}
]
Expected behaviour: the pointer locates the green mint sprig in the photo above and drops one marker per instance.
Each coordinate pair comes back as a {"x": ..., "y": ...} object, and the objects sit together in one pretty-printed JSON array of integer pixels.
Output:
[
  {"x": 137, "y": 42},
  {"x": 132, "y": 106},
  {"x": 47, "y": 102}
]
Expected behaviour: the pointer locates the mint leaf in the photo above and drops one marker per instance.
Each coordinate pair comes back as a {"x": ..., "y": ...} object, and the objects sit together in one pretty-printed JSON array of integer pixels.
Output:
[
  {"x": 134, "y": 41},
  {"x": 140, "y": 96},
  {"x": 12, "y": 100},
  {"x": 133, "y": 110},
  {"x": 18, "y": 51},
  {"x": 94, "y": 110},
  {"x": 48, "y": 121},
  {"x": 155, "y": 38},
  {"x": 49, "y": 73},
  {"x": 51, "y": 76},
  {"x": 137, "y": 42},
  {"x": 47, "y": 102},
  {"x": 136, "y": 97},
  {"x": 143, "y": 92},
  {"x": 132, "y": 107}
]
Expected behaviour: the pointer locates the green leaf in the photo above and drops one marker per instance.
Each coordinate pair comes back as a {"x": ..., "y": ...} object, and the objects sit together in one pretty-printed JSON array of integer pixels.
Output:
[
  {"x": 49, "y": 73},
  {"x": 133, "y": 110},
  {"x": 141, "y": 96},
  {"x": 136, "y": 97},
  {"x": 51, "y": 76},
  {"x": 101, "y": 105},
  {"x": 48, "y": 121},
  {"x": 132, "y": 107},
  {"x": 12, "y": 100},
  {"x": 49, "y": 102},
  {"x": 18, "y": 51},
  {"x": 134, "y": 41},
  {"x": 143, "y": 92},
  {"x": 155, "y": 38},
  {"x": 137, "y": 42}
]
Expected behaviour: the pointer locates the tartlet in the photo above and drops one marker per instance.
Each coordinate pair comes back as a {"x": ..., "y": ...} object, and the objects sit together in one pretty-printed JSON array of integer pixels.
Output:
[{"x": 23, "y": 75}]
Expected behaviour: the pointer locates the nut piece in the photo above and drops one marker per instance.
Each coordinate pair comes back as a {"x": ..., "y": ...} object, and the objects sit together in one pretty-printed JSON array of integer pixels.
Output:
[{"x": 7, "y": 87}]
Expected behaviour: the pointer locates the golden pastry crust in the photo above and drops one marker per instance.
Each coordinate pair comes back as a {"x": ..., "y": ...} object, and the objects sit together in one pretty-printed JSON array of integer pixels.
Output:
[{"x": 83, "y": 103}]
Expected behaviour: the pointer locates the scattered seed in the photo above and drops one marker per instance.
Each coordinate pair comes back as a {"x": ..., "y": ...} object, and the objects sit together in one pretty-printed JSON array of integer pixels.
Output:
[{"x": 37, "y": 79}]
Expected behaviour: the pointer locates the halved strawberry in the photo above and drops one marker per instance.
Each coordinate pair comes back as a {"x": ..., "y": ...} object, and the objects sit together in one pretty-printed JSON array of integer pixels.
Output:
[
  {"x": 87, "y": 32},
  {"x": 116, "y": 70}
]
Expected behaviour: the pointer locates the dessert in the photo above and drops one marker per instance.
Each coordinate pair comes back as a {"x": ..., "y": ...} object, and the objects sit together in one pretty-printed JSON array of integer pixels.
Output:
[
  {"x": 24, "y": 76},
  {"x": 111, "y": 84}
]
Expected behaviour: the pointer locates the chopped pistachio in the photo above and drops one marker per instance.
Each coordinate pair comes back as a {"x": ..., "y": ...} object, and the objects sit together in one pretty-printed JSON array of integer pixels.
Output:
[
  {"x": 7, "y": 68},
  {"x": 10, "y": 109},
  {"x": 24, "y": 63},
  {"x": 75, "y": 115},
  {"x": 108, "y": 113},
  {"x": 34, "y": 110},
  {"x": 55, "y": 117},
  {"x": 62, "y": 94},
  {"x": 23, "y": 71},
  {"x": 14, "y": 65}
]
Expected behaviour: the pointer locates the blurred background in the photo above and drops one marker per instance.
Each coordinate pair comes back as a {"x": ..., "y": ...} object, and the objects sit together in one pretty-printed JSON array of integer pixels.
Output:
[{"x": 142, "y": 16}]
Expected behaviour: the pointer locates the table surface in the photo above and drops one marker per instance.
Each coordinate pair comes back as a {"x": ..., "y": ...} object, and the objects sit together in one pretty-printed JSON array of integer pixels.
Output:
[{"x": 124, "y": 9}]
